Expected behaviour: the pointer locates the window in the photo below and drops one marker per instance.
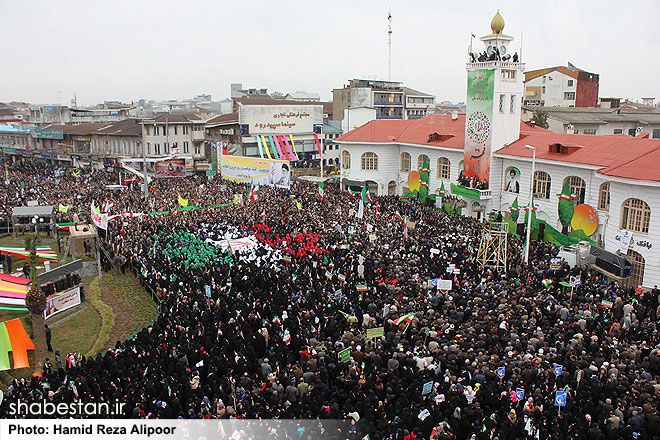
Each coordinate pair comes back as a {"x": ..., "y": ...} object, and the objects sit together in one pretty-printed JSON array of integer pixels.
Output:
[
  {"x": 656, "y": 133},
  {"x": 604, "y": 197},
  {"x": 543, "y": 88},
  {"x": 345, "y": 159},
  {"x": 405, "y": 162},
  {"x": 541, "y": 188},
  {"x": 512, "y": 108},
  {"x": 198, "y": 149},
  {"x": 618, "y": 131},
  {"x": 570, "y": 83},
  {"x": 502, "y": 97},
  {"x": 369, "y": 161},
  {"x": 637, "y": 277},
  {"x": 588, "y": 131},
  {"x": 569, "y": 96},
  {"x": 185, "y": 129},
  {"x": 147, "y": 130},
  {"x": 509, "y": 75},
  {"x": 577, "y": 187},
  {"x": 155, "y": 130},
  {"x": 632, "y": 132},
  {"x": 185, "y": 146},
  {"x": 421, "y": 160},
  {"x": 149, "y": 148},
  {"x": 157, "y": 149},
  {"x": 636, "y": 216},
  {"x": 391, "y": 188},
  {"x": 444, "y": 168}
]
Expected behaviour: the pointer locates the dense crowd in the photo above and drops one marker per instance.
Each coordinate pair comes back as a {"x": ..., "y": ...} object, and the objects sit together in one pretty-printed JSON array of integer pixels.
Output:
[{"x": 257, "y": 331}]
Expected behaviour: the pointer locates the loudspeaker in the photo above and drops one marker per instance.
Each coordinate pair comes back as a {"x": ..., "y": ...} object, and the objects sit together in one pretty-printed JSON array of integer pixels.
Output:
[
  {"x": 520, "y": 229},
  {"x": 540, "y": 235},
  {"x": 76, "y": 278}
]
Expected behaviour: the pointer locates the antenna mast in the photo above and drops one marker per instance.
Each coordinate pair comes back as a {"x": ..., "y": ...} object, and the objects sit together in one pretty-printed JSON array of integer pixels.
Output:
[{"x": 389, "y": 44}]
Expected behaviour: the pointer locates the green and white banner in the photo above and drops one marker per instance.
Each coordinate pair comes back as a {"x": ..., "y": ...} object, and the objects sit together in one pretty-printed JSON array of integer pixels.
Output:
[{"x": 478, "y": 124}]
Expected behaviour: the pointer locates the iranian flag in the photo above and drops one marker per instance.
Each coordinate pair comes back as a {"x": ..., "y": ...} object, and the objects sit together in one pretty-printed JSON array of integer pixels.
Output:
[
  {"x": 276, "y": 320},
  {"x": 341, "y": 277},
  {"x": 287, "y": 337},
  {"x": 321, "y": 193},
  {"x": 254, "y": 192},
  {"x": 398, "y": 215},
  {"x": 328, "y": 275},
  {"x": 405, "y": 318},
  {"x": 351, "y": 192}
]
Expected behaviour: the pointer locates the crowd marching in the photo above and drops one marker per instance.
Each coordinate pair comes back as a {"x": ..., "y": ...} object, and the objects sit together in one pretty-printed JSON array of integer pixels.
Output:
[{"x": 327, "y": 312}]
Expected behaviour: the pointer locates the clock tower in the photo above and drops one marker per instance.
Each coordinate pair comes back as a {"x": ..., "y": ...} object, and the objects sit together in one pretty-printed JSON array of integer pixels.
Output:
[{"x": 494, "y": 99}]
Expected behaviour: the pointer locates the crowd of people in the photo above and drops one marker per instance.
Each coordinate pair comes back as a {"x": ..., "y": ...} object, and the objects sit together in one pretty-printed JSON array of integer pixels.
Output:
[{"x": 261, "y": 331}]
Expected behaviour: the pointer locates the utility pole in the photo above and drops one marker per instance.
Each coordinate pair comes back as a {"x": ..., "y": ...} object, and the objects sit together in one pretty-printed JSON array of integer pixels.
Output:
[{"x": 389, "y": 44}]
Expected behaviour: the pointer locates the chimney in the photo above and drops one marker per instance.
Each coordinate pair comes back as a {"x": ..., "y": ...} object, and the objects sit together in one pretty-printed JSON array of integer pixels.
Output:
[{"x": 454, "y": 115}]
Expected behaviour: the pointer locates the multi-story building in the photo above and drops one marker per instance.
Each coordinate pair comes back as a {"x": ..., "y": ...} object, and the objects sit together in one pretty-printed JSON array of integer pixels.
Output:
[
  {"x": 121, "y": 139},
  {"x": 613, "y": 181},
  {"x": 60, "y": 114},
  {"x": 580, "y": 120},
  {"x": 561, "y": 87},
  {"x": 175, "y": 134},
  {"x": 389, "y": 99}
]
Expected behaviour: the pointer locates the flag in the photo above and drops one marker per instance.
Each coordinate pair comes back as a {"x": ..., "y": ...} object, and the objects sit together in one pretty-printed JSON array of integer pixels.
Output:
[
  {"x": 360, "y": 212},
  {"x": 238, "y": 199},
  {"x": 182, "y": 202},
  {"x": 95, "y": 208},
  {"x": 321, "y": 192},
  {"x": 107, "y": 206},
  {"x": 398, "y": 215},
  {"x": 361, "y": 287},
  {"x": 328, "y": 275},
  {"x": 254, "y": 192},
  {"x": 405, "y": 228},
  {"x": 351, "y": 192},
  {"x": 63, "y": 208},
  {"x": 407, "y": 318},
  {"x": 287, "y": 337},
  {"x": 231, "y": 251},
  {"x": 442, "y": 191},
  {"x": 263, "y": 214},
  {"x": 365, "y": 195},
  {"x": 299, "y": 205},
  {"x": 286, "y": 258},
  {"x": 341, "y": 277},
  {"x": 346, "y": 315},
  {"x": 277, "y": 321}
]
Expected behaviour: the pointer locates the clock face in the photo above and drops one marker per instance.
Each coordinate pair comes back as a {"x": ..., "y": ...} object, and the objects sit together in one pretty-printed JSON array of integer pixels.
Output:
[
  {"x": 490, "y": 50},
  {"x": 502, "y": 50}
]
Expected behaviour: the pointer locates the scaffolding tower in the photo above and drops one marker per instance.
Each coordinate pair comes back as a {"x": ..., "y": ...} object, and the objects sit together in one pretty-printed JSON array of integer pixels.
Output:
[{"x": 493, "y": 246}]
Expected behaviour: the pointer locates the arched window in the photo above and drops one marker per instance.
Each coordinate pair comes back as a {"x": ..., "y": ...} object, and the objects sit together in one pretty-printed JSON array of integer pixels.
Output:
[
  {"x": 391, "y": 188},
  {"x": 461, "y": 167},
  {"x": 421, "y": 160},
  {"x": 444, "y": 168},
  {"x": 541, "y": 185},
  {"x": 635, "y": 216},
  {"x": 637, "y": 277},
  {"x": 604, "y": 197},
  {"x": 405, "y": 162},
  {"x": 369, "y": 162},
  {"x": 345, "y": 159},
  {"x": 577, "y": 187}
]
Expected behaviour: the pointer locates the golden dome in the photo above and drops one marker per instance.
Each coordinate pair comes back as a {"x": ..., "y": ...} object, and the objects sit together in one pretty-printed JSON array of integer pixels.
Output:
[{"x": 497, "y": 24}]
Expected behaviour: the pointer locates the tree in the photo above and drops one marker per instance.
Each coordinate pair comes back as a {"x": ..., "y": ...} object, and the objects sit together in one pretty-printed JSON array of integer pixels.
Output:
[
  {"x": 540, "y": 118},
  {"x": 35, "y": 300}
]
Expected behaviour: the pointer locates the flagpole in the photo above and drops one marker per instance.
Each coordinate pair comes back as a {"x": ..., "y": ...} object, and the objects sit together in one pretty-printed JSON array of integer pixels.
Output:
[{"x": 531, "y": 195}]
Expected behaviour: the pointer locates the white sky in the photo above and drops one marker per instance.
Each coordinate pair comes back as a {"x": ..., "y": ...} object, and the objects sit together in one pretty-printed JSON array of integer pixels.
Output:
[{"x": 126, "y": 50}]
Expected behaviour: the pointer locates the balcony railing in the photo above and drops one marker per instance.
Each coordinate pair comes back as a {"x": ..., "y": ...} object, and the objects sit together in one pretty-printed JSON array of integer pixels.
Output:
[{"x": 492, "y": 64}]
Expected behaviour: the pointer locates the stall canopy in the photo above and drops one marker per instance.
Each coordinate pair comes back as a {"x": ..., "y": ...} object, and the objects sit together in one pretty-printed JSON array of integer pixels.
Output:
[{"x": 611, "y": 262}]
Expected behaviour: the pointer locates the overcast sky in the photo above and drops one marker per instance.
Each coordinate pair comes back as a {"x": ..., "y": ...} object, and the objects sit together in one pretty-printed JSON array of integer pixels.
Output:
[{"x": 126, "y": 50}]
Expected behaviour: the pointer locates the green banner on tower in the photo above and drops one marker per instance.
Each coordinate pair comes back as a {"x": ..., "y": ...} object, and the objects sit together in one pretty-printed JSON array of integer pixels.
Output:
[{"x": 479, "y": 124}]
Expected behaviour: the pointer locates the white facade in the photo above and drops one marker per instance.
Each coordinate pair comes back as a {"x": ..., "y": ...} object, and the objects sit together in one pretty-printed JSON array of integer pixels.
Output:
[
  {"x": 390, "y": 178},
  {"x": 164, "y": 137},
  {"x": 356, "y": 117},
  {"x": 555, "y": 89}
]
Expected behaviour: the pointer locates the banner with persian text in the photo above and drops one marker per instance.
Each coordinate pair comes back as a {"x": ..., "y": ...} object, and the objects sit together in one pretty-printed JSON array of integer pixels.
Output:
[
  {"x": 478, "y": 124},
  {"x": 253, "y": 169}
]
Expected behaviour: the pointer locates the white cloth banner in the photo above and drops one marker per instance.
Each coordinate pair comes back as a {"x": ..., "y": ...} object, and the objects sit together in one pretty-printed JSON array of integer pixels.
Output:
[
  {"x": 100, "y": 220},
  {"x": 626, "y": 239}
]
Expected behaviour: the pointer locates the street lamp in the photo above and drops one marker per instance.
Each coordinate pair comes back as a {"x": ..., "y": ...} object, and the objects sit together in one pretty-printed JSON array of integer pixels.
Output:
[{"x": 531, "y": 195}]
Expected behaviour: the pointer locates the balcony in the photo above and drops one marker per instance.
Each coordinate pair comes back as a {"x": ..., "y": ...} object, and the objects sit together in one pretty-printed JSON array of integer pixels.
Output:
[
  {"x": 389, "y": 103},
  {"x": 471, "y": 193},
  {"x": 493, "y": 64}
]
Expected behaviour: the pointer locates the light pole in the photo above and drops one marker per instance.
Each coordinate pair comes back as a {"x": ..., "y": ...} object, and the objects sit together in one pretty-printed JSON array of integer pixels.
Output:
[
  {"x": 144, "y": 163},
  {"x": 529, "y": 212}
]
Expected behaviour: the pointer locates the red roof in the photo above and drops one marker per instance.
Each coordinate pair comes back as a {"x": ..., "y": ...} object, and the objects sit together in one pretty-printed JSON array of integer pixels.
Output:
[
  {"x": 450, "y": 132},
  {"x": 227, "y": 118},
  {"x": 621, "y": 156}
]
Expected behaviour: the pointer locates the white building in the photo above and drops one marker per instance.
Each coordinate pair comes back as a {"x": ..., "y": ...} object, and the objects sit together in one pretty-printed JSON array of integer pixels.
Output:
[
  {"x": 614, "y": 178},
  {"x": 175, "y": 134},
  {"x": 561, "y": 86},
  {"x": 617, "y": 176}
]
